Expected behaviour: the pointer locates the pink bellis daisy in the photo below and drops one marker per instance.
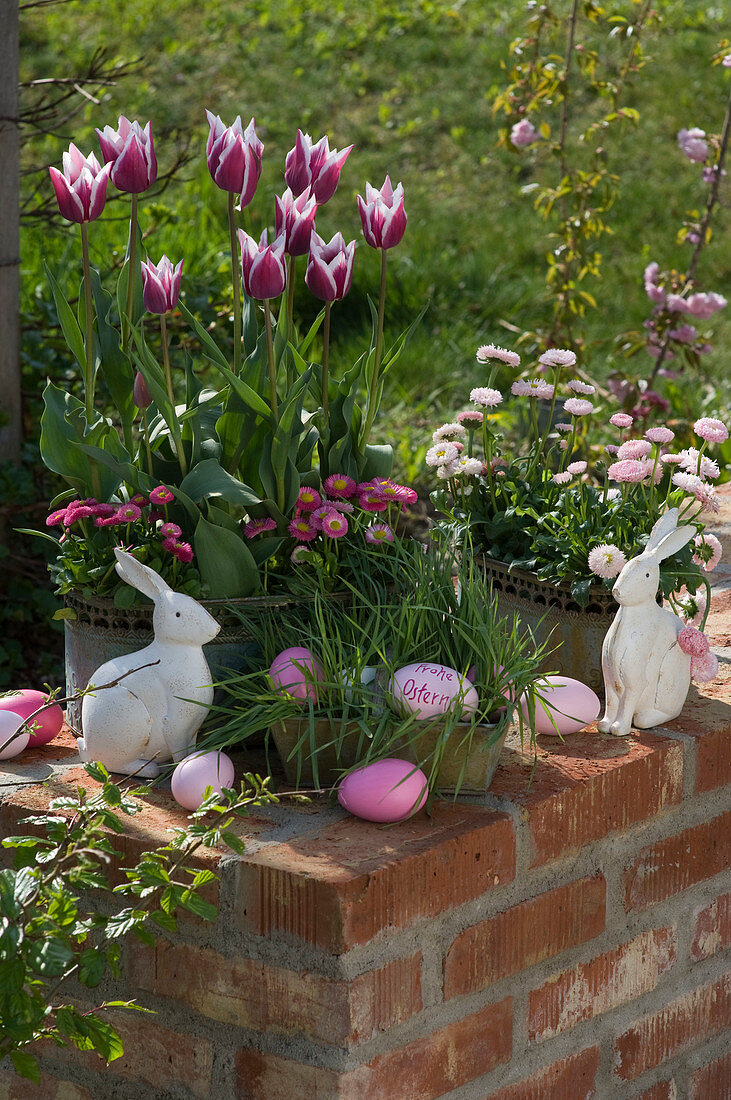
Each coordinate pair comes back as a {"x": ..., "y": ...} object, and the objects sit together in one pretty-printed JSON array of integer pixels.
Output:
[
  {"x": 471, "y": 417},
  {"x": 339, "y": 485},
  {"x": 627, "y": 470},
  {"x": 693, "y": 641},
  {"x": 621, "y": 420},
  {"x": 562, "y": 478},
  {"x": 558, "y": 357},
  {"x": 253, "y": 528},
  {"x": 704, "y": 669},
  {"x": 710, "y": 429},
  {"x": 660, "y": 434},
  {"x": 534, "y": 387},
  {"x": 56, "y": 518},
  {"x": 691, "y": 459},
  {"x": 308, "y": 499},
  {"x": 302, "y": 529},
  {"x": 487, "y": 397},
  {"x": 378, "y": 533},
  {"x": 372, "y": 500},
  {"x": 576, "y": 406},
  {"x": 334, "y": 525},
  {"x": 170, "y": 531},
  {"x": 634, "y": 448},
  {"x": 560, "y": 427},
  {"x": 577, "y": 386},
  {"x": 129, "y": 513},
  {"x": 446, "y": 431},
  {"x": 575, "y": 468},
  {"x": 492, "y": 351},
  {"x": 441, "y": 453},
  {"x": 606, "y": 560},
  {"x": 161, "y": 495},
  {"x": 709, "y": 551}
]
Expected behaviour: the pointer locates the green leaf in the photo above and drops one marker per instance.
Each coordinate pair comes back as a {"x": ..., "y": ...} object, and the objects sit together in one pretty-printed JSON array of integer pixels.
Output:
[
  {"x": 197, "y": 905},
  {"x": 92, "y": 964},
  {"x": 63, "y": 430},
  {"x": 209, "y": 478},
  {"x": 225, "y": 562},
  {"x": 248, "y": 395},
  {"x": 116, "y": 368},
  {"x": 25, "y": 1065},
  {"x": 67, "y": 320},
  {"x": 215, "y": 354}
]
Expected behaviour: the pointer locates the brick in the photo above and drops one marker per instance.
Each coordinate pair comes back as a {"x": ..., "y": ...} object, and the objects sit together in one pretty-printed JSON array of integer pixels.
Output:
[
  {"x": 588, "y": 787},
  {"x": 610, "y": 980},
  {"x": 570, "y": 1079},
  {"x": 422, "y": 1070},
  {"x": 713, "y": 1081},
  {"x": 355, "y": 879},
  {"x": 707, "y": 719},
  {"x": 672, "y": 865},
  {"x": 278, "y": 999},
  {"x": 525, "y": 935},
  {"x": 712, "y": 928},
  {"x": 13, "y": 1087},
  {"x": 681, "y": 1024}
]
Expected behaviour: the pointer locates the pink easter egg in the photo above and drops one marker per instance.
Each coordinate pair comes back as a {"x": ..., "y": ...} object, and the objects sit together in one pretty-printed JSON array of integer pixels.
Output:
[
  {"x": 570, "y": 706},
  {"x": 46, "y": 725},
  {"x": 427, "y": 690},
  {"x": 198, "y": 771},
  {"x": 385, "y": 791},
  {"x": 293, "y": 670},
  {"x": 9, "y": 723}
]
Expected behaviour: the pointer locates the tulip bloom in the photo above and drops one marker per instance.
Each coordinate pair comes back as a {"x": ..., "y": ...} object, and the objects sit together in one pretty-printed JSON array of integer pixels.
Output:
[
  {"x": 234, "y": 157},
  {"x": 131, "y": 153},
  {"x": 81, "y": 189},
  {"x": 383, "y": 215},
  {"x": 140, "y": 392},
  {"x": 160, "y": 285},
  {"x": 330, "y": 267},
  {"x": 314, "y": 166},
  {"x": 295, "y": 217},
  {"x": 262, "y": 265}
]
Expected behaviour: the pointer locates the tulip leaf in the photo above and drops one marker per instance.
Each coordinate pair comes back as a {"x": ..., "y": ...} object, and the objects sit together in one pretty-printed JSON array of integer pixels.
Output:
[
  {"x": 64, "y": 432},
  {"x": 220, "y": 518},
  {"x": 215, "y": 354},
  {"x": 264, "y": 547},
  {"x": 304, "y": 345},
  {"x": 248, "y": 395},
  {"x": 208, "y": 478},
  {"x": 115, "y": 366},
  {"x": 249, "y": 327},
  {"x": 138, "y": 307},
  {"x": 378, "y": 461},
  {"x": 225, "y": 562},
  {"x": 67, "y": 320}
]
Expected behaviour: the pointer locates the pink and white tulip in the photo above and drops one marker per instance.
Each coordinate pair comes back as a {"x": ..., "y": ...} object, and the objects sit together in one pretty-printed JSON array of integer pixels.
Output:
[
  {"x": 131, "y": 152},
  {"x": 234, "y": 157},
  {"x": 295, "y": 217},
  {"x": 262, "y": 265},
  {"x": 330, "y": 267},
  {"x": 383, "y": 215},
  {"x": 81, "y": 188},
  {"x": 314, "y": 166},
  {"x": 160, "y": 285}
]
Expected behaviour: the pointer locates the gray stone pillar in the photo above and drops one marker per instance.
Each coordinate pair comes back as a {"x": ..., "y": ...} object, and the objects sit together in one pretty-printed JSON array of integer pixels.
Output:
[{"x": 10, "y": 431}]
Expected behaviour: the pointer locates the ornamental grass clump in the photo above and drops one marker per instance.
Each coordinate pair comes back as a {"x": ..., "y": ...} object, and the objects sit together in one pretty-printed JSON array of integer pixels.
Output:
[
  {"x": 551, "y": 506},
  {"x": 235, "y": 438},
  {"x": 346, "y": 717}
]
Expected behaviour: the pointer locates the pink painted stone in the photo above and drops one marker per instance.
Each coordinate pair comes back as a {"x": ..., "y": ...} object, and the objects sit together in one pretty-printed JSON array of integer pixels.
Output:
[{"x": 47, "y": 725}]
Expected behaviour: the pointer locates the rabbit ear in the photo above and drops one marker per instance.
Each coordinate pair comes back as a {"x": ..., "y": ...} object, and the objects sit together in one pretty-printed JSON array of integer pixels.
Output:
[
  {"x": 139, "y": 576},
  {"x": 667, "y": 523},
  {"x": 673, "y": 542}
]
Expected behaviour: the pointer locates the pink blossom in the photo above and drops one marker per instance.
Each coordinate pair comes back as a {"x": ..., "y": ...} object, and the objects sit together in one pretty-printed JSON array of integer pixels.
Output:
[
  {"x": 262, "y": 265},
  {"x": 692, "y": 144},
  {"x": 576, "y": 468},
  {"x": 580, "y": 387},
  {"x": 606, "y": 560},
  {"x": 330, "y": 267},
  {"x": 578, "y": 407},
  {"x": 704, "y": 306},
  {"x": 392, "y": 491},
  {"x": 372, "y": 500},
  {"x": 492, "y": 351},
  {"x": 686, "y": 334},
  {"x": 56, "y": 518},
  {"x": 183, "y": 551},
  {"x": 316, "y": 166},
  {"x": 295, "y": 217},
  {"x": 709, "y": 553},
  {"x": 535, "y": 387},
  {"x": 695, "y": 463},
  {"x": 670, "y": 459},
  {"x": 308, "y": 499},
  {"x": 486, "y": 397},
  {"x": 710, "y": 429},
  {"x": 675, "y": 303},
  {"x": 234, "y": 157},
  {"x": 81, "y": 188},
  {"x": 660, "y": 434},
  {"x": 382, "y": 215},
  {"x": 160, "y": 285},
  {"x": 342, "y": 506},
  {"x": 611, "y": 448},
  {"x": 128, "y": 513},
  {"x": 441, "y": 453},
  {"x": 561, "y": 427},
  {"x": 302, "y": 529},
  {"x": 161, "y": 495},
  {"x": 472, "y": 417},
  {"x": 448, "y": 430},
  {"x": 253, "y": 528},
  {"x": 339, "y": 485},
  {"x": 131, "y": 152},
  {"x": 170, "y": 531},
  {"x": 634, "y": 448},
  {"x": 621, "y": 420},
  {"x": 140, "y": 392},
  {"x": 523, "y": 133},
  {"x": 693, "y": 607},
  {"x": 627, "y": 470},
  {"x": 704, "y": 669},
  {"x": 693, "y": 641},
  {"x": 562, "y": 478},
  {"x": 559, "y": 357},
  {"x": 378, "y": 533},
  {"x": 334, "y": 524}
]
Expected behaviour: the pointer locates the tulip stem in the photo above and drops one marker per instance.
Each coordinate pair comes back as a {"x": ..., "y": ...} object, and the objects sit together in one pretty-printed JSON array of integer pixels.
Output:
[
  {"x": 146, "y": 434},
  {"x": 278, "y": 474},
  {"x": 174, "y": 426},
  {"x": 236, "y": 281},
  {"x": 132, "y": 260},
  {"x": 89, "y": 341},
  {"x": 373, "y": 396},
  {"x": 325, "y": 360},
  {"x": 290, "y": 318}
]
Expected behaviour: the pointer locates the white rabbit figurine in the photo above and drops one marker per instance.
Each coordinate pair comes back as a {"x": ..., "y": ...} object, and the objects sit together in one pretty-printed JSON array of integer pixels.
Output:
[
  {"x": 646, "y": 673},
  {"x": 153, "y": 714}
]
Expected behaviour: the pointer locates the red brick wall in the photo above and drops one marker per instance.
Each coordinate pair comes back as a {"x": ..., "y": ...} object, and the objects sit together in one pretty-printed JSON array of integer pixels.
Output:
[{"x": 563, "y": 938}]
